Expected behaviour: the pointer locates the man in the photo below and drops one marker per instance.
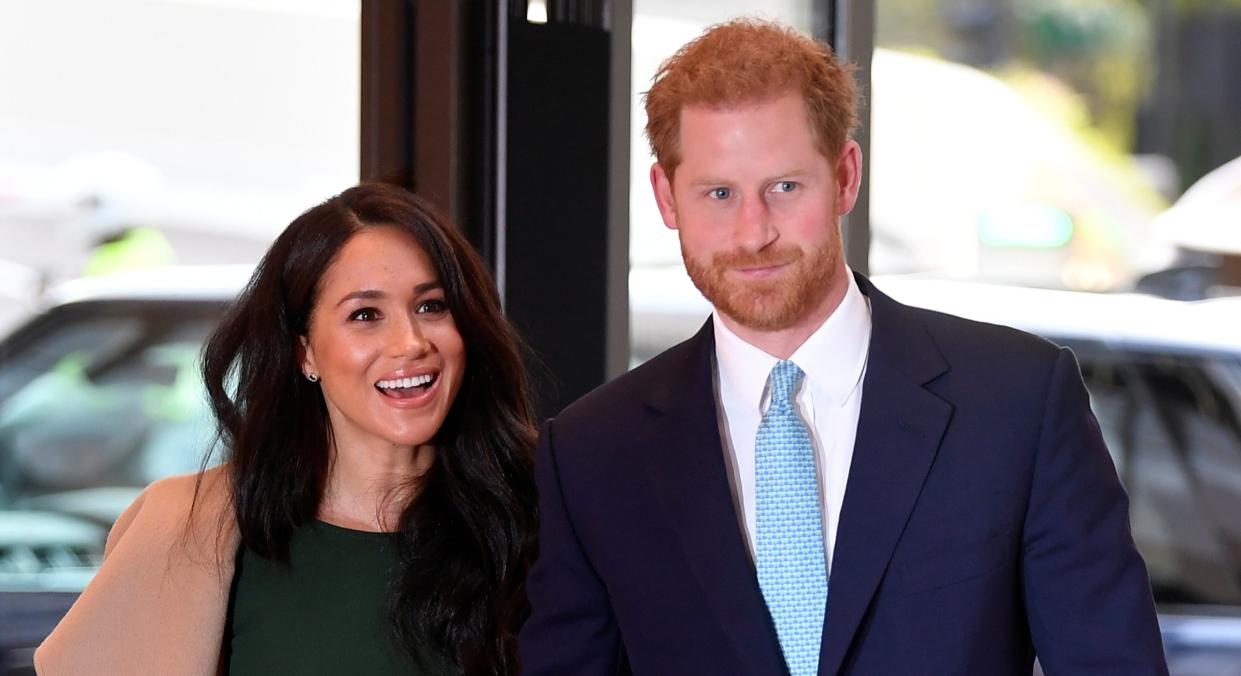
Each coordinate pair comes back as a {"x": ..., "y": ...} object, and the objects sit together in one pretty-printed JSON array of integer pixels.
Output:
[{"x": 821, "y": 480}]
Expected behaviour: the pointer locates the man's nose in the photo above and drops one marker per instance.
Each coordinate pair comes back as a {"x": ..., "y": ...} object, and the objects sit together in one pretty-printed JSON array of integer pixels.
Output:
[{"x": 754, "y": 227}]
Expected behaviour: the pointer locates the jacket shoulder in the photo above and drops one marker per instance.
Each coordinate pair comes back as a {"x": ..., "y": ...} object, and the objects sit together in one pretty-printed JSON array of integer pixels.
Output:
[
  {"x": 960, "y": 326},
  {"x": 964, "y": 341},
  {"x": 626, "y": 394},
  {"x": 174, "y": 501},
  {"x": 165, "y": 577}
]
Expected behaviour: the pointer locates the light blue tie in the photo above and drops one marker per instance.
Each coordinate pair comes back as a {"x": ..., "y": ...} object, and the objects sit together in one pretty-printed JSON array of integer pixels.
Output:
[{"x": 791, "y": 569}]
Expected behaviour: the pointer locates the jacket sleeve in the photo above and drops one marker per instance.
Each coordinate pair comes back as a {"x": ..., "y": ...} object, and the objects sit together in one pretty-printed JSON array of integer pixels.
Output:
[
  {"x": 122, "y": 524},
  {"x": 157, "y": 604},
  {"x": 1087, "y": 593},
  {"x": 571, "y": 629}
]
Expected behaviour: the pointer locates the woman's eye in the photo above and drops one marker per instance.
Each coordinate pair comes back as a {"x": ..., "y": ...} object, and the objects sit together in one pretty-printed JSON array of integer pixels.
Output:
[
  {"x": 435, "y": 306},
  {"x": 366, "y": 314},
  {"x": 719, "y": 193}
]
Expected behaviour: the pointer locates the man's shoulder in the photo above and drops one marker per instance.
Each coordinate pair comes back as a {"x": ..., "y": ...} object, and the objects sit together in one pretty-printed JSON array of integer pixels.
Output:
[
  {"x": 622, "y": 399},
  {"x": 972, "y": 333},
  {"x": 981, "y": 345}
]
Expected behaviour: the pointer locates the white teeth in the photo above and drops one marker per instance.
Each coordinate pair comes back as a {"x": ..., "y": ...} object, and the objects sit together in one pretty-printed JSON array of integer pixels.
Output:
[{"x": 405, "y": 383}]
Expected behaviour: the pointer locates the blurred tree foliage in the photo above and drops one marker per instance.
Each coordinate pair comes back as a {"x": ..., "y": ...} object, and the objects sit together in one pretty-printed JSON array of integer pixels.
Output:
[
  {"x": 1143, "y": 76},
  {"x": 1207, "y": 5},
  {"x": 1100, "y": 49}
]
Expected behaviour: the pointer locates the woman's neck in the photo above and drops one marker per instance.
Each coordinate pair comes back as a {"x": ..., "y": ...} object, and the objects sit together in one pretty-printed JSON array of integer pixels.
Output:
[{"x": 367, "y": 489}]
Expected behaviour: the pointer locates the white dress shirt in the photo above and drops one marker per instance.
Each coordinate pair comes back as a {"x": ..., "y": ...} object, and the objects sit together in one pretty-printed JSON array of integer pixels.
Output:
[{"x": 828, "y": 400}]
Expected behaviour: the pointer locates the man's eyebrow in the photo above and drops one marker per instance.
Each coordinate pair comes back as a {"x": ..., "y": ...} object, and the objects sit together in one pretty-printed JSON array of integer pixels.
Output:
[
  {"x": 712, "y": 181},
  {"x": 784, "y": 175}
]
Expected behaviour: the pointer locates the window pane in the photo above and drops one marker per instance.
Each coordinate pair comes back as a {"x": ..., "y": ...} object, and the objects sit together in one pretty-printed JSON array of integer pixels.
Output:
[
  {"x": 144, "y": 132},
  {"x": 135, "y": 135},
  {"x": 1041, "y": 142}
]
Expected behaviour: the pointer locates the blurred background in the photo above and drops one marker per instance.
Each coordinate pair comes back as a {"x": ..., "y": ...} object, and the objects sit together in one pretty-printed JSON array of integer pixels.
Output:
[
  {"x": 1070, "y": 167},
  {"x": 1080, "y": 145}
]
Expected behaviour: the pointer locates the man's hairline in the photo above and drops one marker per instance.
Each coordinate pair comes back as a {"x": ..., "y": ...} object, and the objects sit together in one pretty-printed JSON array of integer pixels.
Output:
[{"x": 669, "y": 168}]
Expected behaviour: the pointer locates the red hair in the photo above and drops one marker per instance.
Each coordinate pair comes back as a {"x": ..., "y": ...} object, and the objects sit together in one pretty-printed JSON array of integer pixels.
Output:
[{"x": 750, "y": 61}]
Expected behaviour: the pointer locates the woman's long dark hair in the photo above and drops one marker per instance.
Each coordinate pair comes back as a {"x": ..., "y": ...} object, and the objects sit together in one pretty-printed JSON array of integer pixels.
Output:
[{"x": 467, "y": 539}]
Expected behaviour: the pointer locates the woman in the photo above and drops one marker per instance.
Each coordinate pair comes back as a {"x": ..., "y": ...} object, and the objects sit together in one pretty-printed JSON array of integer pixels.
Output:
[{"x": 376, "y": 514}]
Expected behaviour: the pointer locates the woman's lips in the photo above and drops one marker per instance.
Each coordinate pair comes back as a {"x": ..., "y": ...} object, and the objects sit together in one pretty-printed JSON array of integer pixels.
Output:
[{"x": 403, "y": 393}]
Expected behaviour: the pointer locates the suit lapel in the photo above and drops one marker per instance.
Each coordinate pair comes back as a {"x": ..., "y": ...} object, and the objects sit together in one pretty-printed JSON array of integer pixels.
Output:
[
  {"x": 899, "y": 430},
  {"x": 685, "y": 463}
]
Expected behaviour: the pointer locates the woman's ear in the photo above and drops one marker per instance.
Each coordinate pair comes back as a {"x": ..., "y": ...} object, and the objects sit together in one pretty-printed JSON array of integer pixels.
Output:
[{"x": 306, "y": 357}]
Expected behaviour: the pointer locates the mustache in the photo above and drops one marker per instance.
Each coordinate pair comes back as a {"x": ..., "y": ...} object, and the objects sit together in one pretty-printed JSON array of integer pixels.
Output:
[{"x": 764, "y": 258}]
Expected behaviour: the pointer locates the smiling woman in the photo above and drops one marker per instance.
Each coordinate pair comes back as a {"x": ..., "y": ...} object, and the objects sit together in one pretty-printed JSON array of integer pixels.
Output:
[
  {"x": 382, "y": 344},
  {"x": 376, "y": 513}
]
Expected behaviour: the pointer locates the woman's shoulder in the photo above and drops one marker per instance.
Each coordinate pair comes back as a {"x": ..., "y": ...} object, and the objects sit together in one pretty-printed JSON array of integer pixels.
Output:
[
  {"x": 186, "y": 487},
  {"x": 165, "y": 577},
  {"x": 195, "y": 500}
]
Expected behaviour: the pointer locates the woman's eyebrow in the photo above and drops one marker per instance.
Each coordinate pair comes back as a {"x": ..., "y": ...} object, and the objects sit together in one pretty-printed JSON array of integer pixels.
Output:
[{"x": 371, "y": 294}]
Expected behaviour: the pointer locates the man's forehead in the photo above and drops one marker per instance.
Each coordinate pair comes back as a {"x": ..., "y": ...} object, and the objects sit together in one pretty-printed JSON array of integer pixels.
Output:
[
  {"x": 740, "y": 103},
  {"x": 717, "y": 122}
]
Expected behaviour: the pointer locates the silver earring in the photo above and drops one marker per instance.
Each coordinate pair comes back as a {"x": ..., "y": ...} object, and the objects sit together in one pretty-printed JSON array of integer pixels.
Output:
[{"x": 312, "y": 377}]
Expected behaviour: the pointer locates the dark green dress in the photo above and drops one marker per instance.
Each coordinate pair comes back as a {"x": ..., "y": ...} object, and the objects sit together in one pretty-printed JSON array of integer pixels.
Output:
[{"x": 323, "y": 613}]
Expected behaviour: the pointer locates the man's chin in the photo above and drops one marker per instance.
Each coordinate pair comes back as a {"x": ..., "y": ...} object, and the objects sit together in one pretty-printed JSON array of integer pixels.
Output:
[
  {"x": 765, "y": 323},
  {"x": 760, "y": 313},
  {"x": 754, "y": 305}
]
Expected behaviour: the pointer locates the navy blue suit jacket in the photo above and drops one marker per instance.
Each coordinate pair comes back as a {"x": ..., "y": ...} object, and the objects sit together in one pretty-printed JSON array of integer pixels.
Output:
[{"x": 982, "y": 522}]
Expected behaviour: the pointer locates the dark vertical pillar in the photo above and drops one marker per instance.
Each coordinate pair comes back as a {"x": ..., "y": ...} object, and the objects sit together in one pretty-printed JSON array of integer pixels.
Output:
[
  {"x": 438, "y": 80},
  {"x": 849, "y": 27},
  {"x": 387, "y": 90},
  {"x": 428, "y": 99},
  {"x": 557, "y": 201},
  {"x": 506, "y": 126}
]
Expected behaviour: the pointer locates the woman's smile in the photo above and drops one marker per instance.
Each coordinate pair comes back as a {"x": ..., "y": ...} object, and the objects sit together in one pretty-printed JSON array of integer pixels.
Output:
[{"x": 409, "y": 391}]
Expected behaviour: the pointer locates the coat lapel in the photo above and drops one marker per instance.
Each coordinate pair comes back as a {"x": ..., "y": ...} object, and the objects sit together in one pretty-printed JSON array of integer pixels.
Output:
[
  {"x": 899, "y": 431},
  {"x": 685, "y": 463}
]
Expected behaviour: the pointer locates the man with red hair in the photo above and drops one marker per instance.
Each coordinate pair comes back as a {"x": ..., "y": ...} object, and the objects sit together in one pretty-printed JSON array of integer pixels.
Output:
[{"x": 822, "y": 480}]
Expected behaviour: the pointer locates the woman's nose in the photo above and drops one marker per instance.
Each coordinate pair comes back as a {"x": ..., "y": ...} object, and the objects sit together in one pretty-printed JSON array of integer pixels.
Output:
[{"x": 409, "y": 340}]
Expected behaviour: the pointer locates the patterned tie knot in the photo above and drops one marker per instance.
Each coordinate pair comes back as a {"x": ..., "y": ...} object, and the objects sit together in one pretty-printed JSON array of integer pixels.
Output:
[{"x": 785, "y": 377}]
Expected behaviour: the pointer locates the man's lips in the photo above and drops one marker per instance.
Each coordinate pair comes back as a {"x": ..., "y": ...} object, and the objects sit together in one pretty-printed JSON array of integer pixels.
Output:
[{"x": 761, "y": 271}]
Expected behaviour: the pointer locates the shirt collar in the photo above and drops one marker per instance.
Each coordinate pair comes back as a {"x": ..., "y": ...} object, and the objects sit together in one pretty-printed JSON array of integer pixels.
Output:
[{"x": 833, "y": 357}]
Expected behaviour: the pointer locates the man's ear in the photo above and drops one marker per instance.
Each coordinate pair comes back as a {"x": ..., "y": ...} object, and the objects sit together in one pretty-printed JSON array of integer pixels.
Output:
[
  {"x": 848, "y": 176},
  {"x": 661, "y": 184}
]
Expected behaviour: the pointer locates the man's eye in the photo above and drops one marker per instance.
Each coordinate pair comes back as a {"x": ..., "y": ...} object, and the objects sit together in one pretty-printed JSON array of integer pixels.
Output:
[
  {"x": 720, "y": 193},
  {"x": 432, "y": 307},
  {"x": 784, "y": 186},
  {"x": 366, "y": 314}
]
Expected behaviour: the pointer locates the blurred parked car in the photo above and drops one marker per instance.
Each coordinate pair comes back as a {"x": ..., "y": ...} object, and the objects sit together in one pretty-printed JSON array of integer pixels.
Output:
[
  {"x": 1204, "y": 230},
  {"x": 19, "y": 290},
  {"x": 100, "y": 394},
  {"x": 1165, "y": 383}
]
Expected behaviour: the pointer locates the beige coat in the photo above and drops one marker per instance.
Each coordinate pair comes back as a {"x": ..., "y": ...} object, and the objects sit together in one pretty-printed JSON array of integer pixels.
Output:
[{"x": 159, "y": 602}]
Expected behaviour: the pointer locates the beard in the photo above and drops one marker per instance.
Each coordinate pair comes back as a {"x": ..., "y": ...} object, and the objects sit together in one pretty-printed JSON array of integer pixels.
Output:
[{"x": 767, "y": 304}]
